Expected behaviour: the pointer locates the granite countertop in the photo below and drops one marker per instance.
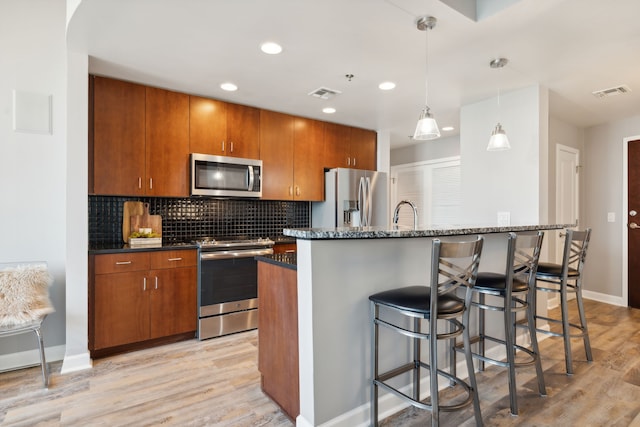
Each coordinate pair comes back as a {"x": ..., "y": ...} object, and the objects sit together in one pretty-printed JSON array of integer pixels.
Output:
[
  {"x": 287, "y": 259},
  {"x": 404, "y": 232}
]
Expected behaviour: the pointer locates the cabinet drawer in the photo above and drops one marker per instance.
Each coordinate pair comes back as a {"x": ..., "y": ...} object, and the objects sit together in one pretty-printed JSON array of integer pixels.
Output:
[
  {"x": 172, "y": 259},
  {"x": 120, "y": 263}
]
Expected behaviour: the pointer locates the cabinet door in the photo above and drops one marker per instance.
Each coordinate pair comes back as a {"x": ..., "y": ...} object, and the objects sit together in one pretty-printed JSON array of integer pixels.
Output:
[
  {"x": 308, "y": 168},
  {"x": 173, "y": 301},
  {"x": 243, "y": 131},
  {"x": 118, "y": 137},
  {"x": 336, "y": 146},
  {"x": 167, "y": 136},
  {"x": 276, "y": 152},
  {"x": 207, "y": 125},
  {"x": 121, "y": 309},
  {"x": 363, "y": 149}
]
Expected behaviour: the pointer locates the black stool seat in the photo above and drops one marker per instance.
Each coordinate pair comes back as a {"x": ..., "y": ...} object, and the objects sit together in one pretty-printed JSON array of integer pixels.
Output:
[
  {"x": 547, "y": 269},
  {"x": 417, "y": 299},
  {"x": 498, "y": 282}
]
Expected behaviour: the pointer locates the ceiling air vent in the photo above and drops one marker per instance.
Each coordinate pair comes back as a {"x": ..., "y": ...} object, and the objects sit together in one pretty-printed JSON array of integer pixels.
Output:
[
  {"x": 611, "y": 91},
  {"x": 324, "y": 93}
]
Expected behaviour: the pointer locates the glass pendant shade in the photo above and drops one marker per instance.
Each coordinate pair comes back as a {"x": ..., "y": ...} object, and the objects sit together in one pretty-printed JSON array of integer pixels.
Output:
[
  {"x": 427, "y": 128},
  {"x": 498, "y": 140}
]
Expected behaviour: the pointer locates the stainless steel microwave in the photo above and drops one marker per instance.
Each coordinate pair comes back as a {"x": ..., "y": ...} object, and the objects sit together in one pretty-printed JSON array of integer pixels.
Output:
[{"x": 224, "y": 176}]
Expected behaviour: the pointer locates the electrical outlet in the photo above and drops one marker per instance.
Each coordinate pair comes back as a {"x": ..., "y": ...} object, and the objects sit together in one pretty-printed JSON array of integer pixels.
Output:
[
  {"x": 611, "y": 217},
  {"x": 504, "y": 219}
]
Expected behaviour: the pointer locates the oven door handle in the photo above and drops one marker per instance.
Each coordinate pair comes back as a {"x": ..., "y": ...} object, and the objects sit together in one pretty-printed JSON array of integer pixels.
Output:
[{"x": 234, "y": 254}]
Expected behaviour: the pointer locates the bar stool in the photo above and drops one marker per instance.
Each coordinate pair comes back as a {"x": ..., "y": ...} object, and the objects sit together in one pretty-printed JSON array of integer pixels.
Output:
[
  {"x": 453, "y": 265},
  {"x": 564, "y": 279},
  {"x": 516, "y": 291}
]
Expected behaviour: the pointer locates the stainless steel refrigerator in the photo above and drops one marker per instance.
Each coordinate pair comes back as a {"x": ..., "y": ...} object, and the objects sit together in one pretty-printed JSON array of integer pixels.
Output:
[{"x": 353, "y": 198}]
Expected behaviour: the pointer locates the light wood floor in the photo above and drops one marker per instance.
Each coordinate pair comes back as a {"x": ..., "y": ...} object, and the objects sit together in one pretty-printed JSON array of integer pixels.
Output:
[{"x": 216, "y": 383}]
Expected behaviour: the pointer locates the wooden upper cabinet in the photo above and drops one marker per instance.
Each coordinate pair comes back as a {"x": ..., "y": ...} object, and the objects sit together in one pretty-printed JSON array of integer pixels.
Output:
[
  {"x": 243, "y": 131},
  {"x": 349, "y": 147},
  {"x": 223, "y": 129},
  {"x": 336, "y": 145},
  {"x": 207, "y": 125},
  {"x": 363, "y": 145},
  {"x": 276, "y": 153},
  {"x": 308, "y": 167},
  {"x": 118, "y": 149},
  {"x": 167, "y": 137}
]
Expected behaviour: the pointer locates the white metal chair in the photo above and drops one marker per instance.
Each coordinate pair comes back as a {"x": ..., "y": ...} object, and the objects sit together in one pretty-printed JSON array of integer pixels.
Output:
[{"x": 24, "y": 302}]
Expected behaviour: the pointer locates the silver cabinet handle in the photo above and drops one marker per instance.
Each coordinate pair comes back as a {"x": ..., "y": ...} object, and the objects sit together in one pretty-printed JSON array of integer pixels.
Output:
[
  {"x": 151, "y": 183},
  {"x": 144, "y": 283},
  {"x": 633, "y": 225},
  {"x": 156, "y": 282},
  {"x": 223, "y": 146},
  {"x": 231, "y": 144},
  {"x": 354, "y": 161},
  {"x": 123, "y": 262},
  {"x": 139, "y": 182},
  {"x": 174, "y": 259}
]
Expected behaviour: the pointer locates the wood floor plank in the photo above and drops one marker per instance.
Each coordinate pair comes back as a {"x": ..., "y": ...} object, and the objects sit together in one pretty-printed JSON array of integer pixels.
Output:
[{"x": 216, "y": 383}]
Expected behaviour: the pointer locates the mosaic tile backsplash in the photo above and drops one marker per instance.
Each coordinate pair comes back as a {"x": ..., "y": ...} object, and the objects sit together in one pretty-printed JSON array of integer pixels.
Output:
[{"x": 186, "y": 219}]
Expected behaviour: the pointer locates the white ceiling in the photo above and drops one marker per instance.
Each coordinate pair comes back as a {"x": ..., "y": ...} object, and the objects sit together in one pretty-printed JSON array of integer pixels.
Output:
[{"x": 573, "y": 47}]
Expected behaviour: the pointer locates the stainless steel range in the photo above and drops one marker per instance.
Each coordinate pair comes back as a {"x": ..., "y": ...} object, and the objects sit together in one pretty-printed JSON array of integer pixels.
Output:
[{"x": 228, "y": 285}]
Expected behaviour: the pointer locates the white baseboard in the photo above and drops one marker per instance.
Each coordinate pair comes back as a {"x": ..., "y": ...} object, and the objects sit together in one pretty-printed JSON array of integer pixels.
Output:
[
  {"x": 76, "y": 362},
  {"x": 608, "y": 299},
  {"x": 29, "y": 358}
]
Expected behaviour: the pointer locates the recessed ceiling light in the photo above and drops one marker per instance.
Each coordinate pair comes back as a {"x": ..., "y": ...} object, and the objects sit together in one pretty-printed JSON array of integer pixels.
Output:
[
  {"x": 387, "y": 85},
  {"x": 271, "y": 48},
  {"x": 230, "y": 87},
  {"x": 448, "y": 128},
  {"x": 329, "y": 110}
]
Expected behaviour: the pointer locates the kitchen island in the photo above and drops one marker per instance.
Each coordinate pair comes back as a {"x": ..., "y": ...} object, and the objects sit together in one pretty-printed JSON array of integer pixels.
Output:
[{"x": 337, "y": 270}]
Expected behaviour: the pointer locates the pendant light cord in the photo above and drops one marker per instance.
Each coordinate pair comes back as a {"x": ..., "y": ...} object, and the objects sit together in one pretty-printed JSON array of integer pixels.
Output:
[{"x": 426, "y": 68}]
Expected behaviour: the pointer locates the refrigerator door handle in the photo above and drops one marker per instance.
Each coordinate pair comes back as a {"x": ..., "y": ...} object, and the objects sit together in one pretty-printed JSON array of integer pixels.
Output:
[
  {"x": 362, "y": 194},
  {"x": 369, "y": 201}
]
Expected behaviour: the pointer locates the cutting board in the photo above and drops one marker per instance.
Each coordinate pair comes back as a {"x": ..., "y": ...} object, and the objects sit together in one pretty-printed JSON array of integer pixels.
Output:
[
  {"x": 130, "y": 209},
  {"x": 154, "y": 222}
]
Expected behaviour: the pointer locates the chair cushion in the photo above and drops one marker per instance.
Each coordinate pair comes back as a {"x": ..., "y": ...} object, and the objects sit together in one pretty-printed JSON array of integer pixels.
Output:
[
  {"x": 549, "y": 270},
  {"x": 496, "y": 282},
  {"x": 417, "y": 299},
  {"x": 24, "y": 294}
]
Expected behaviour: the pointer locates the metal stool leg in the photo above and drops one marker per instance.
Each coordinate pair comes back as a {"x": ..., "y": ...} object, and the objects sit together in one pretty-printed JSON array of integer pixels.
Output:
[
  {"x": 583, "y": 323},
  {"x": 43, "y": 360},
  {"x": 374, "y": 364},
  {"x": 566, "y": 328},
  {"x": 534, "y": 339},
  {"x": 509, "y": 334}
]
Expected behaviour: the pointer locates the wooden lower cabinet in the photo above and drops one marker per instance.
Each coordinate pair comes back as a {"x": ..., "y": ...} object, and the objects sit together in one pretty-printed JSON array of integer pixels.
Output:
[
  {"x": 278, "y": 336},
  {"x": 136, "y": 298}
]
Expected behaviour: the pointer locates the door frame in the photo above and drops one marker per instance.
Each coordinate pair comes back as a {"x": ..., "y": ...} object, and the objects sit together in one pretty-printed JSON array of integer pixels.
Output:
[
  {"x": 623, "y": 220},
  {"x": 559, "y": 242}
]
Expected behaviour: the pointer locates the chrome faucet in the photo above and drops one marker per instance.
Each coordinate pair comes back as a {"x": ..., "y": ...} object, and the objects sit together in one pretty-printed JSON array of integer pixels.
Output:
[{"x": 415, "y": 213}]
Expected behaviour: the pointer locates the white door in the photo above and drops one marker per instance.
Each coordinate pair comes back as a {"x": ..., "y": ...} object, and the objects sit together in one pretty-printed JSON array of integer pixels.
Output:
[{"x": 567, "y": 197}]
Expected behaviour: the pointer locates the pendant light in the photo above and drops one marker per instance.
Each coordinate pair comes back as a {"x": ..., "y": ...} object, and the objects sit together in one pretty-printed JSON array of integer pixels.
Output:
[
  {"x": 498, "y": 140},
  {"x": 427, "y": 128}
]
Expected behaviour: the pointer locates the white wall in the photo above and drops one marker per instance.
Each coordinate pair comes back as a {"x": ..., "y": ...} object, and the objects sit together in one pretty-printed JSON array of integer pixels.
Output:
[
  {"x": 33, "y": 166},
  {"x": 603, "y": 181},
  {"x": 428, "y": 150},
  {"x": 511, "y": 180}
]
